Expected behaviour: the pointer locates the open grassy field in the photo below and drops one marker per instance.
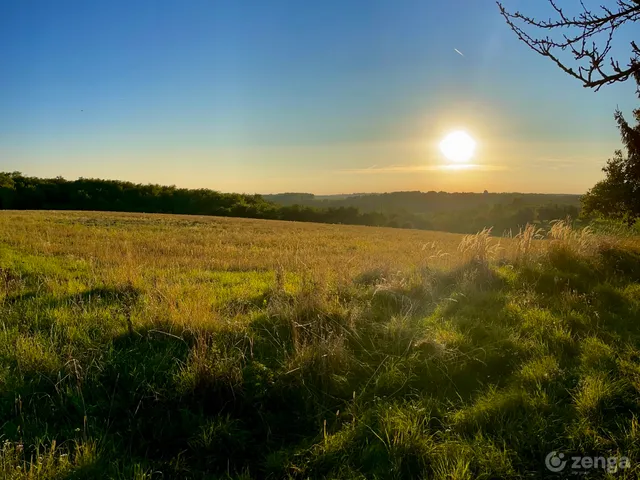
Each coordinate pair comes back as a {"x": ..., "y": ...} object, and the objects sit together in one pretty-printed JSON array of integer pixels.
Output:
[{"x": 158, "y": 346}]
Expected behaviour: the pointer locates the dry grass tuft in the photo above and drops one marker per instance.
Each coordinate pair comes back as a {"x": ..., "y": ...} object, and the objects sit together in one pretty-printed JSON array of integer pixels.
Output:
[
  {"x": 479, "y": 248},
  {"x": 583, "y": 241},
  {"x": 525, "y": 240}
]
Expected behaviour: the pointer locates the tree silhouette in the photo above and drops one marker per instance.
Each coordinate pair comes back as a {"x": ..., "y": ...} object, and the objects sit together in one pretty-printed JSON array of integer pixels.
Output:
[
  {"x": 618, "y": 195},
  {"x": 587, "y": 36}
]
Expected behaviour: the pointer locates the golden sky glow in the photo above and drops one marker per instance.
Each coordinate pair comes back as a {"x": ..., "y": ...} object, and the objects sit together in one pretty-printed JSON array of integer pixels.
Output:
[
  {"x": 355, "y": 99},
  {"x": 498, "y": 165}
]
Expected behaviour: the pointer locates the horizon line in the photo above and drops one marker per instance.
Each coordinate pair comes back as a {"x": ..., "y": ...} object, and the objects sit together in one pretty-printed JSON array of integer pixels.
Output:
[{"x": 301, "y": 192}]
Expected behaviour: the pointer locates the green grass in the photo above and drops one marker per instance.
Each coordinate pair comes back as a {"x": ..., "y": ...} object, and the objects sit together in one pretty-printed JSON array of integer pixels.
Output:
[{"x": 142, "y": 346}]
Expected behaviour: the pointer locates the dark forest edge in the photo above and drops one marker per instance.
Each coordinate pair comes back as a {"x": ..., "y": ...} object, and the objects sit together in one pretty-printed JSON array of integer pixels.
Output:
[{"x": 452, "y": 212}]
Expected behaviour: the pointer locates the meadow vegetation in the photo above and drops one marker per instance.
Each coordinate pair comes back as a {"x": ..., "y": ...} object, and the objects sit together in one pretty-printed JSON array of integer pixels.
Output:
[{"x": 165, "y": 346}]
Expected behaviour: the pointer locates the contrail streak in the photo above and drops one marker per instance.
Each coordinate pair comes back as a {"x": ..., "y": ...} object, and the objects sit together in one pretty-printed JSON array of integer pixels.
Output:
[{"x": 459, "y": 52}]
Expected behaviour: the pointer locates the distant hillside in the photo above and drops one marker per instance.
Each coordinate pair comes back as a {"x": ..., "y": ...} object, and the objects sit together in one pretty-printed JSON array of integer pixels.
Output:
[
  {"x": 450, "y": 212},
  {"x": 421, "y": 202},
  {"x": 294, "y": 198}
]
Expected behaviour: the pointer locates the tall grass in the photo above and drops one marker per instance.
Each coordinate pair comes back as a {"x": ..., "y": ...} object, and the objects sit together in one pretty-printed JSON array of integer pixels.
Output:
[
  {"x": 137, "y": 346},
  {"x": 526, "y": 239},
  {"x": 479, "y": 248}
]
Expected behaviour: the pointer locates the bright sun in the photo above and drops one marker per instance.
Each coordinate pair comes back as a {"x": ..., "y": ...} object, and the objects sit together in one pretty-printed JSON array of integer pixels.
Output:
[{"x": 458, "y": 147}]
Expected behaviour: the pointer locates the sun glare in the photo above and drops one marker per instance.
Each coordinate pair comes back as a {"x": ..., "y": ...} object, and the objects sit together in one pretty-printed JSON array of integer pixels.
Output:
[{"x": 458, "y": 147}]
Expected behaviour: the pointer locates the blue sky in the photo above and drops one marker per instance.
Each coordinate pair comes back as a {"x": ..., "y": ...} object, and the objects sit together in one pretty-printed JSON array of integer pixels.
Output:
[{"x": 269, "y": 96}]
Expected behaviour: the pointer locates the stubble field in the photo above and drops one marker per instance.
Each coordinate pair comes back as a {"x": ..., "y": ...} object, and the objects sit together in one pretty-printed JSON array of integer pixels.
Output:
[{"x": 161, "y": 346}]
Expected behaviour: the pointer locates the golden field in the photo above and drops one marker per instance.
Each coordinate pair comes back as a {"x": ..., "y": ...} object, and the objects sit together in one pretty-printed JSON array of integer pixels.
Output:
[{"x": 168, "y": 346}]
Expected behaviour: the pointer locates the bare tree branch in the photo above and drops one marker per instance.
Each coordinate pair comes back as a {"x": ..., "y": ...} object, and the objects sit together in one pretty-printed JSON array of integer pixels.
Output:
[{"x": 595, "y": 67}]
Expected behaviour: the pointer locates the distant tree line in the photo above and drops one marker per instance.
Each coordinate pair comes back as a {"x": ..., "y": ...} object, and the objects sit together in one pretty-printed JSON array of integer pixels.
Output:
[
  {"x": 422, "y": 202},
  {"x": 452, "y": 212},
  {"x": 20, "y": 192},
  {"x": 464, "y": 213}
]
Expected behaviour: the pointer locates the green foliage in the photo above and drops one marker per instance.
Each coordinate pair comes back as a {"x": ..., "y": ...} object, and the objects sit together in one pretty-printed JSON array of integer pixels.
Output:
[{"x": 618, "y": 195}]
